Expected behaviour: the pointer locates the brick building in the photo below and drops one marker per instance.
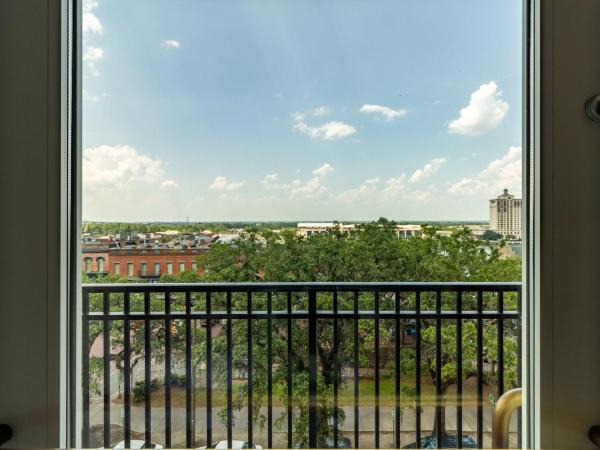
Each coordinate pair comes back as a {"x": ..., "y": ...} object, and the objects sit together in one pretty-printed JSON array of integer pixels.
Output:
[{"x": 139, "y": 262}]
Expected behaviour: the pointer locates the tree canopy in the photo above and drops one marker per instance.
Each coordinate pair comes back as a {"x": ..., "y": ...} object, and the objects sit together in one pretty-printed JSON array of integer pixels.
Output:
[{"x": 370, "y": 252}]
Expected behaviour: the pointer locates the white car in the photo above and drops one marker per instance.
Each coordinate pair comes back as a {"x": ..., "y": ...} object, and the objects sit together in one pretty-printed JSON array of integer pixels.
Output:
[
  {"x": 234, "y": 445},
  {"x": 134, "y": 443}
]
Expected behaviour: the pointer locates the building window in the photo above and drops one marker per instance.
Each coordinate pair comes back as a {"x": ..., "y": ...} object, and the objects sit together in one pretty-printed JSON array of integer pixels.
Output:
[
  {"x": 144, "y": 268},
  {"x": 129, "y": 269},
  {"x": 194, "y": 266},
  {"x": 117, "y": 269},
  {"x": 170, "y": 268},
  {"x": 181, "y": 266},
  {"x": 88, "y": 265},
  {"x": 100, "y": 262},
  {"x": 157, "y": 268}
]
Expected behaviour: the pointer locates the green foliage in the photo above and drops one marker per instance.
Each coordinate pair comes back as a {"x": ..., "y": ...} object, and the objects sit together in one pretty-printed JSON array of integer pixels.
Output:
[
  {"x": 372, "y": 252},
  {"x": 108, "y": 278},
  {"x": 138, "y": 392},
  {"x": 491, "y": 235}
]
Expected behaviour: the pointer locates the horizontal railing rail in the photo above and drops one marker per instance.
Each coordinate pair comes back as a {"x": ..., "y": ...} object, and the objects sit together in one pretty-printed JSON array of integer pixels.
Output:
[{"x": 123, "y": 324}]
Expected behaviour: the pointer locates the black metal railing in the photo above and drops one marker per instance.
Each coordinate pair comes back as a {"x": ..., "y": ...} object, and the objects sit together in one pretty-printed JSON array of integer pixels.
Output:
[{"x": 168, "y": 327}]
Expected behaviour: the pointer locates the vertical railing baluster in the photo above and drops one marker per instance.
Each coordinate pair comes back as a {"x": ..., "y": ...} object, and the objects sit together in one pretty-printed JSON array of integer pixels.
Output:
[
  {"x": 85, "y": 369},
  {"x": 167, "y": 369},
  {"x": 336, "y": 371},
  {"x": 208, "y": 369},
  {"x": 249, "y": 341},
  {"x": 356, "y": 375},
  {"x": 459, "y": 371},
  {"x": 189, "y": 424},
  {"x": 127, "y": 368},
  {"x": 479, "y": 369},
  {"x": 376, "y": 337},
  {"x": 289, "y": 370},
  {"x": 106, "y": 367},
  {"x": 438, "y": 369},
  {"x": 500, "y": 343},
  {"x": 270, "y": 370},
  {"x": 418, "y": 367},
  {"x": 397, "y": 386},
  {"x": 147, "y": 371},
  {"x": 312, "y": 369},
  {"x": 520, "y": 442},
  {"x": 316, "y": 436},
  {"x": 229, "y": 374}
]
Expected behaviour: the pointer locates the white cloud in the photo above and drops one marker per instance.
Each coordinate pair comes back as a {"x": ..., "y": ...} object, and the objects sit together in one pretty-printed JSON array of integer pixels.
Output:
[
  {"x": 90, "y": 97},
  {"x": 90, "y": 23},
  {"x": 91, "y": 56},
  {"x": 119, "y": 166},
  {"x": 485, "y": 111},
  {"x": 395, "y": 189},
  {"x": 320, "y": 111},
  {"x": 386, "y": 112},
  {"x": 428, "y": 170},
  {"x": 503, "y": 173},
  {"x": 323, "y": 170},
  {"x": 170, "y": 43},
  {"x": 272, "y": 182},
  {"x": 168, "y": 184},
  {"x": 311, "y": 189},
  {"x": 395, "y": 186},
  {"x": 360, "y": 193},
  {"x": 220, "y": 183},
  {"x": 121, "y": 183},
  {"x": 336, "y": 130},
  {"x": 314, "y": 187},
  {"x": 329, "y": 131}
]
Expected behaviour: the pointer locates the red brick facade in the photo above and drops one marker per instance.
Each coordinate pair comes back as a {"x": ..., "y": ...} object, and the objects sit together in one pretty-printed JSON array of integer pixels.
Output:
[{"x": 140, "y": 263}]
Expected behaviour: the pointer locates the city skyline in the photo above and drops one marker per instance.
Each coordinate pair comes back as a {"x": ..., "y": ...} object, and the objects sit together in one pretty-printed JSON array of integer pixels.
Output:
[{"x": 274, "y": 111}]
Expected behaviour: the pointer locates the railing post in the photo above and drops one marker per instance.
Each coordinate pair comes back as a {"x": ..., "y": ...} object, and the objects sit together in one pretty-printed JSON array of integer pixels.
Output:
[
  {"x": 85, "y": 370},
  {"x": 312, "y": 369}
]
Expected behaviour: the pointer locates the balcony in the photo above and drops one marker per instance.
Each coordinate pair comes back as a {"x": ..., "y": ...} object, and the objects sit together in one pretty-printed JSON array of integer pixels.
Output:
[{"x": 316, "y": 364}]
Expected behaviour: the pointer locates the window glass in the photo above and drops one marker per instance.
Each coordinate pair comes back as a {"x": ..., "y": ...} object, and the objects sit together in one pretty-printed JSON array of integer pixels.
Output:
[{"x": 302, "y": 142}]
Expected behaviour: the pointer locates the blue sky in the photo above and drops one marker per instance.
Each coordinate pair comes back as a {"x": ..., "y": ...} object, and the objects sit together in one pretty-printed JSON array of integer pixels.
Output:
[{"x": 300, "y": 109}]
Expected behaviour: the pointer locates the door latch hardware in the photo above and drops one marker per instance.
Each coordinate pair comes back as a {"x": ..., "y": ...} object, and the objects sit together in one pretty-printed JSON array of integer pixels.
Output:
[{"x": 592, "y": 108}]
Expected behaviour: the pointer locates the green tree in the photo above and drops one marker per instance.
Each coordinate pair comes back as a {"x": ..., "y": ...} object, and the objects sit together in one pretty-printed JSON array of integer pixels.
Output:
[
  {"x": 117, "y": 330},
  {"x": 491, "y": 235},
  {"x": 372, "y": 252}
]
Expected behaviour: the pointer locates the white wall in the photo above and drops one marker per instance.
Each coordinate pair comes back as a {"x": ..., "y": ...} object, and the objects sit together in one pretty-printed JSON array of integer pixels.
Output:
[{"x": 30, "y": 220}]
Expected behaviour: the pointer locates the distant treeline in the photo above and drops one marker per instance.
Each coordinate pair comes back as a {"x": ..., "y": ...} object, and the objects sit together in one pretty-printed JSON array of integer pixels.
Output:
[{"x": 102, "y": 228}]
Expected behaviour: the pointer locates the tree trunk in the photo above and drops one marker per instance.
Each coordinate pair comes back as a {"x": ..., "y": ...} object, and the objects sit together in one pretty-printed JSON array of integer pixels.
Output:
[{"x": 440, "y": 413}]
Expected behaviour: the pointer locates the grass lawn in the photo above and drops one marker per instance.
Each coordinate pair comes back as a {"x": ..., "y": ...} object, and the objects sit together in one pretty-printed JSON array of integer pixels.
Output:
[{"x": 346, "y": 395}]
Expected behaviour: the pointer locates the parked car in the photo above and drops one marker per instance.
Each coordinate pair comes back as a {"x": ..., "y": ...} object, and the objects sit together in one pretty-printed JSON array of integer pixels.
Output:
[
  {"x": 343, "y": 442},
  {"x": 234, "y": 445},
  {"x": 135, "y": 443},
  {"x": 448, "y": 441}
]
